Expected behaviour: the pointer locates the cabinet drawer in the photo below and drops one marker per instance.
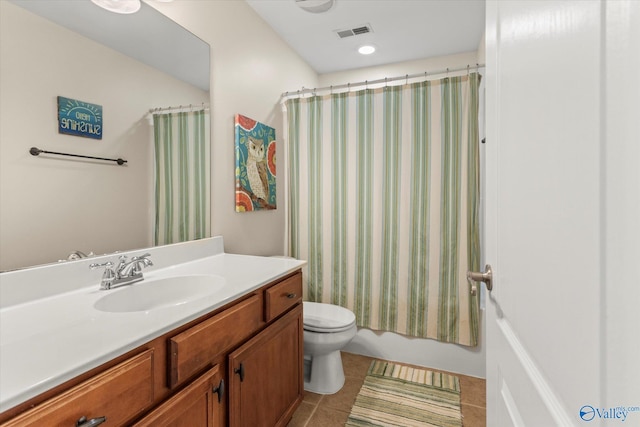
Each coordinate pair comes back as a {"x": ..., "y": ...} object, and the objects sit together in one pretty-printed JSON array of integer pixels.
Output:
[
  {"x": 279, "y": 298},
  {"x": 119, "y": 394},
  {"x": 195, "y": 348}
]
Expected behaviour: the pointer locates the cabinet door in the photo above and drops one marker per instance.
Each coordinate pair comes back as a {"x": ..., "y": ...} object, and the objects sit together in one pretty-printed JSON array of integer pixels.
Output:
[
  {"x": 265, "y": 375},
  {"x": 200, "y": 404}
]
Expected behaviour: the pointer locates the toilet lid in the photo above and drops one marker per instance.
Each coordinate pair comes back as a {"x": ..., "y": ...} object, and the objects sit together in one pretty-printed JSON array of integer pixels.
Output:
[{"x": 319, "y": 317}]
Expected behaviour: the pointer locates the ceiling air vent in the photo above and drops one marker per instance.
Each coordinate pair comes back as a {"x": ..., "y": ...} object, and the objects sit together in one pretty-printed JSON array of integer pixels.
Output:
[
  {"x": 361, "y": 30},
  {"x": 364, "y": 29}
]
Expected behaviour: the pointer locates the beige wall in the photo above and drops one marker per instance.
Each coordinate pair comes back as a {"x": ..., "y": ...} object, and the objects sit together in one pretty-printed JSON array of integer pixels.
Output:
[
  {"x": 482, "y": 50},
  {"x": 399, "y": 69},
  {"x": 250, "y": 68}
]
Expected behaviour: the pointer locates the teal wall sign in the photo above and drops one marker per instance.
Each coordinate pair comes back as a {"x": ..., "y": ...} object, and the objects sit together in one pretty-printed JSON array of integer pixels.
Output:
[{"x": 79, "y": 118}]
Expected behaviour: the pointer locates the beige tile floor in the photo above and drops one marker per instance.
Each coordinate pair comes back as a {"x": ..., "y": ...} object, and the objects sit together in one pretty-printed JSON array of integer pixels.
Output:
[{"x": 332, "y": 410}]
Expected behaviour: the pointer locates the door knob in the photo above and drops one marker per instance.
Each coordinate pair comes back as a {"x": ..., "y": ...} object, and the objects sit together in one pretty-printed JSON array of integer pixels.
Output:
[{"x": 485, "y": 276}]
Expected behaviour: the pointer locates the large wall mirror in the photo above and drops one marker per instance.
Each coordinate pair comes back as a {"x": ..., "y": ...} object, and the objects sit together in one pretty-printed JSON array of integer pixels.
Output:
[{"x": 128, "y": 64}]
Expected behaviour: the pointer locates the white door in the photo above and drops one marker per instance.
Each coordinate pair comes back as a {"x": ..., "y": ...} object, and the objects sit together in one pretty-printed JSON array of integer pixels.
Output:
[{"x": 563, "y": 212}]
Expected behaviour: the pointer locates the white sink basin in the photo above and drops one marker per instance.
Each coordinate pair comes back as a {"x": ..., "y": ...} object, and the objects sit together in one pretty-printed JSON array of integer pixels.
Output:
[{"x": 159, "y": 293}]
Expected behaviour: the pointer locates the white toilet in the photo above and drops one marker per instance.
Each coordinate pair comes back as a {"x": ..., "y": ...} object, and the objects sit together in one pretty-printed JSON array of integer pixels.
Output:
[{"x": 327, "y": 329}]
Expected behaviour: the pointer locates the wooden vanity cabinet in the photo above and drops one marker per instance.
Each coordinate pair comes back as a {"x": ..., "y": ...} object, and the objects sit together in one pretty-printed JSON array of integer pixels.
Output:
[{"x": 191, "y": 376}]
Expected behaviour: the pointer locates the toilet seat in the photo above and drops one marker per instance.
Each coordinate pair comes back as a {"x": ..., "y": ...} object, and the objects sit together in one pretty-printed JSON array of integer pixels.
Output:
[{"x": 327, "y": 318}]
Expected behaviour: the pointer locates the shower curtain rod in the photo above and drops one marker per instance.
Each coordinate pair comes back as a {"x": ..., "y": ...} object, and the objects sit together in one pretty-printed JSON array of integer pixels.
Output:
[
  {"x": 180, "y": 108},
  {"x": 386, "y": 80}
]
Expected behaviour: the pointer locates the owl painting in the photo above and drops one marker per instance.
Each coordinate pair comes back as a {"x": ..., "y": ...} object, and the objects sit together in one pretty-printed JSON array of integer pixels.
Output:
[
  {"x": 257, "y": 169},
  {"x": 255, "y": 165}
]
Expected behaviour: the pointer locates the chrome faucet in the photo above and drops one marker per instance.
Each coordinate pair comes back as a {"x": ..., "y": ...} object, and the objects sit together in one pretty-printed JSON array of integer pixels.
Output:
[
  {"x": 78, "y": 255},
  {"x": 126, "y": 273}
]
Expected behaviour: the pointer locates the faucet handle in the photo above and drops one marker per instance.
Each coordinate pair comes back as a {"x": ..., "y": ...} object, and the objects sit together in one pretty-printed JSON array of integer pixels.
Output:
[
  {"x": 108, "y": 276},
  {"x": 107, "y": 264},
  {"x": 141, "y": 261}
]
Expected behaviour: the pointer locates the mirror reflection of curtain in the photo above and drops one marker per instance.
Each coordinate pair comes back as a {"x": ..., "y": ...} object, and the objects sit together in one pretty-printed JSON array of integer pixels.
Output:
[
  {"x": 383, "y": 203},
  {"x": 182, "y": 176}
]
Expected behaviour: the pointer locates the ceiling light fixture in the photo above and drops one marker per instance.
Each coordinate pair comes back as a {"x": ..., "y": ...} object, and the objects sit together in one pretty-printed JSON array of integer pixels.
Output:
[
  {"x": 315, "y": 6},
  {"x": 366, "y": 50},
  {"x": 119, "y": 6}
]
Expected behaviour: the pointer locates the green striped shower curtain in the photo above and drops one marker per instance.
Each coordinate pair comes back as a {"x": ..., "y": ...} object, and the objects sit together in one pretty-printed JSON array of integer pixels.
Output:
[
  {"x": 383, "y": 203},
  {"x": 182, "y": 176}
]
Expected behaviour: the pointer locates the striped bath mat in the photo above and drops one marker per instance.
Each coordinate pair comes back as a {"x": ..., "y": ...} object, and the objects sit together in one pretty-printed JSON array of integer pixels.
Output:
[{"x": 398, "y": 395}]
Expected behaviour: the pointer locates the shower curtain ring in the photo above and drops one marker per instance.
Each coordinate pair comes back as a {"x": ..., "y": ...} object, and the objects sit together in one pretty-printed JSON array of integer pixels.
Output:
[{"x": 406, "y": 79}]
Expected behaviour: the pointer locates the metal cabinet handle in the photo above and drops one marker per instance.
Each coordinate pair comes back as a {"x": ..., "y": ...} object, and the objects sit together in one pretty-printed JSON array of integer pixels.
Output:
[
  {"x": 486, "y": 277},
  {"x": 240, "y": 371},
  {"x": 84, "y": 422},
  {"x": 219, "y": 390},
  {"x": 291, "y": 295}
]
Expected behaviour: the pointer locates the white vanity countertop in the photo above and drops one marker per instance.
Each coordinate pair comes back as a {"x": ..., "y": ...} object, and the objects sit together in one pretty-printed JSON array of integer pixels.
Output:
[{"x": 45, "y": 342}]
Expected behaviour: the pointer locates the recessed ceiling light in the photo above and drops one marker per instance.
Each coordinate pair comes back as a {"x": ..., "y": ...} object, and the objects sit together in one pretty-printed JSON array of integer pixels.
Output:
[
  {"x": 119, "y": 6},
  {"x": 366, "y": 50},
  {"x": 315, "y": 6}
]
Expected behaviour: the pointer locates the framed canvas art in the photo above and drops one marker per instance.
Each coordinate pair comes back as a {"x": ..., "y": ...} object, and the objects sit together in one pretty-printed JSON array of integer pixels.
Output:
[{"x": 255, "y": 165}]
